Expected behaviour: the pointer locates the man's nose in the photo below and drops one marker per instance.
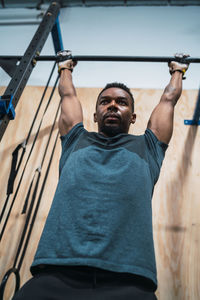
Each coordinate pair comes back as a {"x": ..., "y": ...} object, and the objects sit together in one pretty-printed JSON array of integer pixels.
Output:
[{"x": 112, "y": 105}]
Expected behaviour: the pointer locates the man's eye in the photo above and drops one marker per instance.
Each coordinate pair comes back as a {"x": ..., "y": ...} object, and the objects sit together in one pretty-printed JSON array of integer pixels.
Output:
[
  {"x": 104, "y": 102},
  {"x": 122, "y": 102}
]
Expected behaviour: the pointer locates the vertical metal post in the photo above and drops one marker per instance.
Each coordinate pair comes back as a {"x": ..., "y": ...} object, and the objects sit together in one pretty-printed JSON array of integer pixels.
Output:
[
  {"x": 57, "y": 37},
  {"x": 196, "y": 116}
]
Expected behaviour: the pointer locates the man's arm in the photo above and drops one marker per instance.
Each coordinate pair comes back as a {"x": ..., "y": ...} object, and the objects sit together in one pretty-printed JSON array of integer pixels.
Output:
[
  {"x": 161, "y": 120},
  {"x": 71, "y": 110}
]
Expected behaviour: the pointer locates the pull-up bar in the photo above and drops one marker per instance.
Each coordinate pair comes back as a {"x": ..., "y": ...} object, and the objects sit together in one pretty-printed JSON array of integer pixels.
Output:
[{"x": 160, "y": 59}]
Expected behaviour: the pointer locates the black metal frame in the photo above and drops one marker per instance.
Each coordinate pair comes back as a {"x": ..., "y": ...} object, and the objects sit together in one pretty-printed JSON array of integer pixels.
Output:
[
  {"x": 27, "y": 62},
  {"x": 22, "y": 72}
]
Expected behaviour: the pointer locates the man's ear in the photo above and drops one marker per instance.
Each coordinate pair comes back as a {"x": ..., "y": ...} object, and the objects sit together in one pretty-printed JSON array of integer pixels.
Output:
[
  {"x": 95, "y": 117},
  {"x": 133, "y": 118}
]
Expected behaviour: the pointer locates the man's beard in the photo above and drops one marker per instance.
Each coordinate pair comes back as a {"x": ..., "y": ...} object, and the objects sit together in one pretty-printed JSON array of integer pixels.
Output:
[{"x": 110, "y": 130}]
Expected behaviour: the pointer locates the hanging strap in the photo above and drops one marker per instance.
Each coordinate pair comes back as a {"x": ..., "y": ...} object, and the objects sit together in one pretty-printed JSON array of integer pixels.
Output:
[
  {"x": 13, "y": 174},
  {"x": 22, "y": 175},
  {"x": 5, "y": 280},
  {"x": 37, "y": 205},
  {"x": 21, "y": 242},
  {"x": 27, "y": 196},
  {"x": 38, "y": 171},
  {"x": 43, "y": 158},
  {"x": 14, "y": 269},
  {"x": 14, "y": 170}
]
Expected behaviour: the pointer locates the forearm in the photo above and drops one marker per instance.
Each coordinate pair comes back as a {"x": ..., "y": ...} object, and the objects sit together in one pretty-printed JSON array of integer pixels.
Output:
[
  {"x": 71, "y": 110},
  {"x": 161, "y": 120},
  {"x": 173, "y": 90},
  {"x": 66, "y": 87}
]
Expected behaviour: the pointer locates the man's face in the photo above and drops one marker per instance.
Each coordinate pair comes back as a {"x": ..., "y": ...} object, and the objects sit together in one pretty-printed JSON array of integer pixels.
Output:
[{"x": 114, "y": 112}]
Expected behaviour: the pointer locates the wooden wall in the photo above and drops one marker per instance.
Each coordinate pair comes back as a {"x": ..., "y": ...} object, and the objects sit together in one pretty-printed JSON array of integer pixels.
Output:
[{"x": 176, "y": 201}]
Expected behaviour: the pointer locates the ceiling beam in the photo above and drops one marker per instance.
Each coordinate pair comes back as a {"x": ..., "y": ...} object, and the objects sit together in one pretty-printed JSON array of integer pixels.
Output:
[
  {"x": 3, "y": 3},
  {"x": 71, "y": 3}
]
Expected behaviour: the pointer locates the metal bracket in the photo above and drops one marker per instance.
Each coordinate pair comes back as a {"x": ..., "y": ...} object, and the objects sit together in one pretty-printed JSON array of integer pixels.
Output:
[
  {"x": 196, "y": 116},
  {"x": 191, "y": 122},
  {"x": 9, "y": 65},
  {"x": 6, "y": 107}
]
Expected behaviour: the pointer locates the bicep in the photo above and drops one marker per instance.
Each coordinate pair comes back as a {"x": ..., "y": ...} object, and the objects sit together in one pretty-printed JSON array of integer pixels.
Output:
[
  {"x": 71, "y": 114},
  {"x": 161, "y": 121}
]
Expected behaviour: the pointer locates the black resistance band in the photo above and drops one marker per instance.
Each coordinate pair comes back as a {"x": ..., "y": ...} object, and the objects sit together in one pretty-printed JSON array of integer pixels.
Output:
[
  {"x": 16, "y": 269},
  {"x": 22, "y": 175},
  {"x": 14, "y": 167}
]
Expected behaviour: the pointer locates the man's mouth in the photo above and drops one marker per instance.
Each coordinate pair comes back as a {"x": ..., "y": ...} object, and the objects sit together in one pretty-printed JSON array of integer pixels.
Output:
[{"x": 111, "y": 117}]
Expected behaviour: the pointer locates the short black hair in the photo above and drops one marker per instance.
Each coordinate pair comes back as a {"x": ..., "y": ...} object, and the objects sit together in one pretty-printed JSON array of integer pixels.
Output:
[{"x": 120, "y": 86}]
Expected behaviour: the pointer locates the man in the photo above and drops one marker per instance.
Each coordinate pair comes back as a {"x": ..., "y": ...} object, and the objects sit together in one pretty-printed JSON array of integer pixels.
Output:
[{"x": 98, "y": 242}]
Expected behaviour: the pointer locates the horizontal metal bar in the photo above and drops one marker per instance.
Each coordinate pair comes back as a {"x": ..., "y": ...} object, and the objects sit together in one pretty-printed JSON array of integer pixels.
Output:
[
  {"x": 13, "y": 23},
  {"x": 132, "y": 58},
  {"x": 111, "y": 58}
]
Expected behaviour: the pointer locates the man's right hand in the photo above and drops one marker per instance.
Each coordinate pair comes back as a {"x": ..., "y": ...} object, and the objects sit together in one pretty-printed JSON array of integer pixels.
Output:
[{"x": 66, "y": 64}]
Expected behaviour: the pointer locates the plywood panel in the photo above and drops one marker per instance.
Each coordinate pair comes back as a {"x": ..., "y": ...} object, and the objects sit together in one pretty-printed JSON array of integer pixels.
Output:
[{"x": 176, "y": 205}]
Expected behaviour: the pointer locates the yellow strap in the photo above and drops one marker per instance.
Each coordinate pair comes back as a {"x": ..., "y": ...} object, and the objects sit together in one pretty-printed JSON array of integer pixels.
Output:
[
  {"x": 184, "y": 70},
  {"x": 60, "y": 68}
]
